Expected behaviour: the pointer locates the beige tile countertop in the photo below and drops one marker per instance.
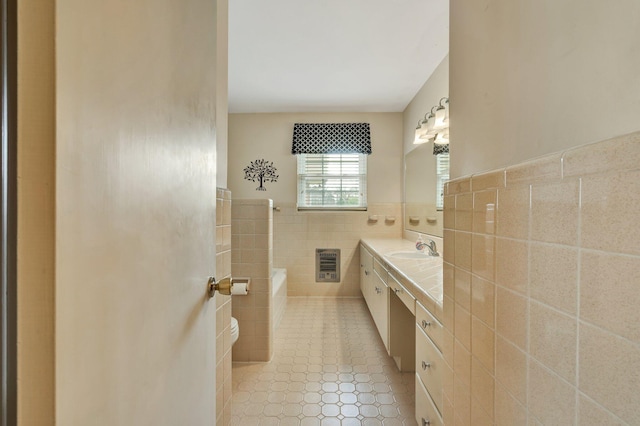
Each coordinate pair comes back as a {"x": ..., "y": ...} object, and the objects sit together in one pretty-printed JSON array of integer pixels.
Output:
[{"x": 422, "y": 277}]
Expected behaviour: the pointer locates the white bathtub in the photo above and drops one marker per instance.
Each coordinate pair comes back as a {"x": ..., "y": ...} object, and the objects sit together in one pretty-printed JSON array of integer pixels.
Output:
[{"x": 279, "y": 294}]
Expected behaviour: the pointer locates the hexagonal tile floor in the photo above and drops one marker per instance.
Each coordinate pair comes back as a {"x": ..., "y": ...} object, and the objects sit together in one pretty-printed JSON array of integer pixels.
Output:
[{"x": 329, "y": 368}]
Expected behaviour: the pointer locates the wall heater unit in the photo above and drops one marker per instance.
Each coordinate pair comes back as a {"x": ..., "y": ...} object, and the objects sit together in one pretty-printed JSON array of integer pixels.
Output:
[{"x": 328, "y": 265}]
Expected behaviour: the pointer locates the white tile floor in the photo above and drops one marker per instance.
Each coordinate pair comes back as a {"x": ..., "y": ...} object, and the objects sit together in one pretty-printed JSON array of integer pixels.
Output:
[{"x": 329, "y": 368}]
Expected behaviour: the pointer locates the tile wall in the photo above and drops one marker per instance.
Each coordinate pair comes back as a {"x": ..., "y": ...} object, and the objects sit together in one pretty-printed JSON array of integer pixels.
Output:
[
  {"x": 223, "y": 308},
  {"x": 542, "y": 267},
  {"x": 297, "y": 234},
  {"x": 252, "y": 256}
]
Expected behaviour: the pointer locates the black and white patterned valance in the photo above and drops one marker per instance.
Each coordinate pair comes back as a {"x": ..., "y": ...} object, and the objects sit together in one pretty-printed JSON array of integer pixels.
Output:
[
  {"x": 440, "y": 148},
  {"x": 331, "y": 138}
]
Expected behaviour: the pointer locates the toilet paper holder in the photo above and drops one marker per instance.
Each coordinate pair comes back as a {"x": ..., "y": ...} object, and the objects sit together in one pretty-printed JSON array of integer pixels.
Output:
[{"x": 224, "y": 286}]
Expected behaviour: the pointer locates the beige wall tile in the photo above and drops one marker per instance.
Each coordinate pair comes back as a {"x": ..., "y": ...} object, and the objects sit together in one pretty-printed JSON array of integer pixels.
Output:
[
  {"x": 449, "y": 212},
  {"x": 513, "y": 212},
  {"x": 447, "y": 381},
  {"x": 609, "y": 215},
  {"x": 554, "y": 212},
  {"x": 479, "y": 416},
  {"x": 511, "y": 369},
  {"x": 552, "y": 340},
  {"x": 508, "y": 411},
  {"x": 618, "y": 153},
  {"x": 448, "y": 246},
  {"x": 448, "y": 279},
  {"x": 609, "y": 294},
  {"x": 484, "y": 211},
  {"x": 463, "y": 288},
  {"x": 448, "y": 313},
  {"x": 551, "y": 400},
  {"x": 462, "y": 403},
  {"x": 512, "y": 264},
  {"x": 482, "y": 386},
  {"x": 483, "y": 294},
  {"x": 483, "y": 256},
  {"x": 463, "y": 326},
  {"x": 482, "y": 343},
  {"x": 482, "y": 181},
  {"x": 463, "y": 250},
  {"x": 554, "y": 275},
  {"x": 546, "y": 168},
  {"x": 464, "y": 212},
  {"x": 458, "y": 186},
  {"x": 462, "y": 364},
  {"x": 511, "y": 317},
  {"x": 609, "y": 371},
  {"x": 591, "y": 413}
]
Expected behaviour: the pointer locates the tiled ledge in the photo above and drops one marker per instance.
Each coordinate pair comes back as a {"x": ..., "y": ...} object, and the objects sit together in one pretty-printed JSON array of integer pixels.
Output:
[{"x": 422, "y": 277}]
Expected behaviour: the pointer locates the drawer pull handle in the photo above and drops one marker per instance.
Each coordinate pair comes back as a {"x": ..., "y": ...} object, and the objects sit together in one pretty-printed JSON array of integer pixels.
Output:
[
  {"x": 366, "y": 272},
  {"x": 425, "y": 422},
  {"x": 425, "y": 365},
  {"x": 397, "y": 290},
  {"x": 425, "y": 324},
  {"x": 378, "y": 290}
]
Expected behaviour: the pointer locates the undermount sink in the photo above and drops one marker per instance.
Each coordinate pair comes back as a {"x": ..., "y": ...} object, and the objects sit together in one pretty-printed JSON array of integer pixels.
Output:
[{"x": 409, "y": 255}]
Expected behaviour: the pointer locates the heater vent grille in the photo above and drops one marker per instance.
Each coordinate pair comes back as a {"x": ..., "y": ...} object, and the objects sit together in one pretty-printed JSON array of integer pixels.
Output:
[{"x": 328, "y": 265}]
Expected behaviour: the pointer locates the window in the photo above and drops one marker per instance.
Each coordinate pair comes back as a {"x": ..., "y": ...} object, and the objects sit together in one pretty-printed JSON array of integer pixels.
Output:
[
  {"x": 332, "y": 181},
  {"x": 442, "y": 175}
]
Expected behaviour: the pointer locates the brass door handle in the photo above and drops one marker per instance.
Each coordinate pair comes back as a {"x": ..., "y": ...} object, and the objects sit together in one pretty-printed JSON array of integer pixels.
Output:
[{"x": 223, "y": 287}]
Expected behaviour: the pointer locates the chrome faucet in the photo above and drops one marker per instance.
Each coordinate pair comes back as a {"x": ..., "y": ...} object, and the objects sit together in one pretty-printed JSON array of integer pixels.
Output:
[{"x": 431, "y": 246}]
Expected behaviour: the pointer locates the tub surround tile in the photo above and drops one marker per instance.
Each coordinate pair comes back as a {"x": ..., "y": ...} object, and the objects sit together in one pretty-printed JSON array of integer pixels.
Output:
[
  {"x": 482, "y": 343},
  {"x": 463, "y": 288},
  {"x": 508, "y": 410},
  {"x": 462, "y": 257},
  {"x": 511, "y": 317},
  {"x": 482, "y": 386},
  {"x": 483, "y": 256},
  {"x": 464, "y": 212},
  {"x": 590, "y": 413},
  {"x": 483, "y": 300},
  {"x": 458, "y": 186}
]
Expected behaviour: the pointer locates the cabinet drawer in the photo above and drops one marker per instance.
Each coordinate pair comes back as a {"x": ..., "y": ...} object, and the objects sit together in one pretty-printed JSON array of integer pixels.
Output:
[
  {"x": 380, "y": 270},
  {"x": 429, "y": 365},
  {"x": 429, "y": 324},
  {"x": 400, "y": 291},
  {"x": 426, "y": 412}
]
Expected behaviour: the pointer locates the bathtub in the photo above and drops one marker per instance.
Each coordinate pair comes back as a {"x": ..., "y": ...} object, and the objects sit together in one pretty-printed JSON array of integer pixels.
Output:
[{"x": 279, "y": 294}]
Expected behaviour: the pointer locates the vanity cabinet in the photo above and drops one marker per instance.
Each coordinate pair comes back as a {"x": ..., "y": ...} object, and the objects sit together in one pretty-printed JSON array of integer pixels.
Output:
[
  {"x": 373, "y": 285},
  {"x": 429, "y": 366},
  {"x": 411, "y": 333}
]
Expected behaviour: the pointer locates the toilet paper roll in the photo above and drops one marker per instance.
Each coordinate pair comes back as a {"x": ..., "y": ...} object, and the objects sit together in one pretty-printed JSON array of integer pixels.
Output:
[{"x": 239, "y": 289}]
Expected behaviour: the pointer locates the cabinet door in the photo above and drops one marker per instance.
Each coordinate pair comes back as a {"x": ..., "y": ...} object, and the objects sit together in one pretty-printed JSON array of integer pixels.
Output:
[
  {"x": 366, "y": 274},
  {"x": 380, "y": 309}
]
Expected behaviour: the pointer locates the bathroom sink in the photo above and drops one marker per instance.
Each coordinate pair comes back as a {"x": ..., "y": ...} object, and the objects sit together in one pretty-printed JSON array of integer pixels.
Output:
[{"x": 408, "y": 255}]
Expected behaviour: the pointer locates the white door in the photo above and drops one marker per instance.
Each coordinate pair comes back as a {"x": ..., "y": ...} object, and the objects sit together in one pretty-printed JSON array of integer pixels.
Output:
[{"x": 135, "y": 212}]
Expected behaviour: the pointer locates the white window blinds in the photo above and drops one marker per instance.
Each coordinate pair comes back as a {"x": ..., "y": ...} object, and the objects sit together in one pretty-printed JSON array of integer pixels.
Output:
[
  {"x": 332, "y": 181},
  {"x": 442, "y": 175}
]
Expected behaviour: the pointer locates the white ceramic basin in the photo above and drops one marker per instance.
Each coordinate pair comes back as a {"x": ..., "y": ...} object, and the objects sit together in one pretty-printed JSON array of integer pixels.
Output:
[{"x": 409, "y": 255}]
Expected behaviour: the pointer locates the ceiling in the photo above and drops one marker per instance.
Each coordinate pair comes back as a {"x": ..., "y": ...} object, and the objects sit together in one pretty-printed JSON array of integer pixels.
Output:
[{"x": 333, "y": 55}]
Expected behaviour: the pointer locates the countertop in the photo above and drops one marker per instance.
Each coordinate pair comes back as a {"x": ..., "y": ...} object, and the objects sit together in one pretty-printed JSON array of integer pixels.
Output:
[{"x": 423, "y": 277}]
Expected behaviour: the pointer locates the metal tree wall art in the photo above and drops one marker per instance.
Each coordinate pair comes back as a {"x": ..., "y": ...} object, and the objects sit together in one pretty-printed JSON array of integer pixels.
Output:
[{"x": 261, "y": 171}]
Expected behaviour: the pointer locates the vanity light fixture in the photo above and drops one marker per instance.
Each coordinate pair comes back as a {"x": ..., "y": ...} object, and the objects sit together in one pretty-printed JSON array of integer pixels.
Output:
[
  {"x": 417, "y": 140},
  {"x": 435, "y": 125}
]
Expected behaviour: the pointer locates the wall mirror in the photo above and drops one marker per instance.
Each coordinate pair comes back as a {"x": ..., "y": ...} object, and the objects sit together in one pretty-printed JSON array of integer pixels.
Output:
[{"x": 424, "y": 178}]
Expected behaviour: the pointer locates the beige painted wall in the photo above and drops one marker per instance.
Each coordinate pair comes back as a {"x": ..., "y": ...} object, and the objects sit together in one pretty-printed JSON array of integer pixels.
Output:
[
  {"x": 222, "y": 91},
  {"x": 424, "y": 202},
  {"x": 268, "y": 136},
  {"x": 531, "y": 78}
]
